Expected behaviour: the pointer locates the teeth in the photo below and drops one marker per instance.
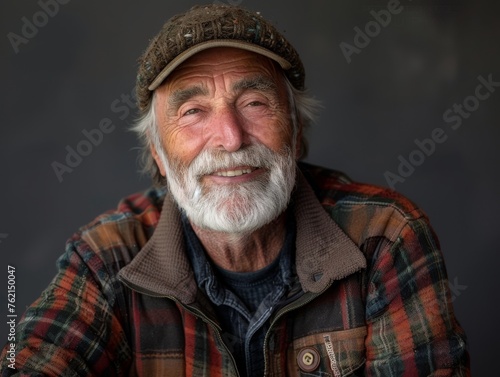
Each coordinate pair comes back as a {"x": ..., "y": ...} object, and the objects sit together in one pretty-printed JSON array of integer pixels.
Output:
[{"x": 233, "y": 173}]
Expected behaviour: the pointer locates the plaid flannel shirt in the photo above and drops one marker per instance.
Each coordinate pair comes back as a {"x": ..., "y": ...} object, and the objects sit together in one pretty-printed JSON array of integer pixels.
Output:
[{"x": 376, "y": 300}]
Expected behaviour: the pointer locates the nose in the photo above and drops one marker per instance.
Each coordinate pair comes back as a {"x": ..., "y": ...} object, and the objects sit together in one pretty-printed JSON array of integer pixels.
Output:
[{"x": 227, "y": 129}]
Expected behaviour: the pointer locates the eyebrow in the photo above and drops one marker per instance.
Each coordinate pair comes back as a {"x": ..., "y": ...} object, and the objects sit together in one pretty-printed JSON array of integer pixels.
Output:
[
  {"x": 261, "y": 83},
  {"x": 178, "y": 97}
]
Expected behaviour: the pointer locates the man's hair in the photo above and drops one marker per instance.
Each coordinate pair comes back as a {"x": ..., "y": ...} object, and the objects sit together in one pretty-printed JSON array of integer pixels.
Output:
[{"x": 303, "y": 111}]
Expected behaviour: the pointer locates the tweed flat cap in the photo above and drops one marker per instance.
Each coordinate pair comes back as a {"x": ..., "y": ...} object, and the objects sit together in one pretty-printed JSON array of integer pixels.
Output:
[{"x": 208, "y": 26}]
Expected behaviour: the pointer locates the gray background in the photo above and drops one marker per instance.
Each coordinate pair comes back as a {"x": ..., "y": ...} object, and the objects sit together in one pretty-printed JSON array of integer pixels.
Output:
[{"x": 66, "y": 78}]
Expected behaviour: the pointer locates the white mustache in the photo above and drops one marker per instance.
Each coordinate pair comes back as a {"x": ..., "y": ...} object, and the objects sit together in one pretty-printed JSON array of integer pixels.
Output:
[{"x": 210, "y": 161}]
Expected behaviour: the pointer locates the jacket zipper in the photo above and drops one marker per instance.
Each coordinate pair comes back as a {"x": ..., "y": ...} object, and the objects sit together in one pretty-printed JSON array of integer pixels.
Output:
[
  {"x": 194, "y": 311},
  {"x": 281, "y": 313},
  {"x": 214, "y": 326},
  {"x": 292, "y": 306}
]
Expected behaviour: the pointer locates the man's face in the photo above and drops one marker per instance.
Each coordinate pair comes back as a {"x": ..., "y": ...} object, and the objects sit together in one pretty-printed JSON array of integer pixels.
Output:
[{"x": 228, "y": 146}]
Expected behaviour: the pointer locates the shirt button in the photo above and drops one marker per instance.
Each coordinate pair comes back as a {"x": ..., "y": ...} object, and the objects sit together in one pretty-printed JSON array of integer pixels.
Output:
[{"x": 308, "y": 359}]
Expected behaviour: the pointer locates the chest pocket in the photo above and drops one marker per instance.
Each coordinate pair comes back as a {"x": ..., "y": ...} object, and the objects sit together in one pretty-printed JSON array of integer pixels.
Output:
[{"x": 335, "y": 354}]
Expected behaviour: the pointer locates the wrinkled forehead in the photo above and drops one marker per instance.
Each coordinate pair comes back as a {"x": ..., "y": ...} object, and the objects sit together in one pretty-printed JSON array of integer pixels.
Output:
[{"x": 229, "y": 63}]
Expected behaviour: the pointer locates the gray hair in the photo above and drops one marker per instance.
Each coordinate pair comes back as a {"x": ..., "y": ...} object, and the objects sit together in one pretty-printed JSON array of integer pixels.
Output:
[{"x": 303, "y": 112}]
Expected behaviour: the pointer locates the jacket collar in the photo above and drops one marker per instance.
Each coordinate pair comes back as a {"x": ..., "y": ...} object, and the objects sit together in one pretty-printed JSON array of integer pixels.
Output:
[{"x": 324, "y": 253}]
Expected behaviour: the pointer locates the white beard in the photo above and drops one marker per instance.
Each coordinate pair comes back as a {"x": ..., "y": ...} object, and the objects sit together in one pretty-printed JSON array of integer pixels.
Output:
[{"x": 233, "y": 208}]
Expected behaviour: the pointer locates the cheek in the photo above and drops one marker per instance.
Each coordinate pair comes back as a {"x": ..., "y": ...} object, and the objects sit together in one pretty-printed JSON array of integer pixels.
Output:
[
  {"x": 276, "y": 135},
  {"x": 182, "y": 145}
]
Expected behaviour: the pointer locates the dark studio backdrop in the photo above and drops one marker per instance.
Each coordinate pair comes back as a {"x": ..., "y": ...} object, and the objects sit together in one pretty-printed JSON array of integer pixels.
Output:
[{"x": 410, "y": 89}]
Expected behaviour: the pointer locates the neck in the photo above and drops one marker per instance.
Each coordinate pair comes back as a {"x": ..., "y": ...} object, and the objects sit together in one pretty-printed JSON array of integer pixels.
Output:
[{"x": 244, "y": 252}]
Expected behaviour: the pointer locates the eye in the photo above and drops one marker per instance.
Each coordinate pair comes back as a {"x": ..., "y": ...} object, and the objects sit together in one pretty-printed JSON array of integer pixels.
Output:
[
  {"x": 191, "y": 112},
  {"x": 255, "y": 103}
]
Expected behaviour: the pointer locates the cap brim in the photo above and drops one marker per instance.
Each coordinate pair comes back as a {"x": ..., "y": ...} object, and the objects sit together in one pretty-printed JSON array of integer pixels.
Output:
[{"x": 183, "y": 56}]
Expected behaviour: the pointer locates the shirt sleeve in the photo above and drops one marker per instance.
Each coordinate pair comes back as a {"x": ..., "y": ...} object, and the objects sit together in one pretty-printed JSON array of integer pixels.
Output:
[
  {"x": 71, "y": 329},
  {"x": 412, "y": 329}
]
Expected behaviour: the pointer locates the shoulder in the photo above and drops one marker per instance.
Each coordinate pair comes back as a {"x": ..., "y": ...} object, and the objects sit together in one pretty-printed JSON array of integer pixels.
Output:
[
  {"x": 362, "y": 210},
  {"x": 113, "y": 239},
  {"x": 139, "y": 211}
]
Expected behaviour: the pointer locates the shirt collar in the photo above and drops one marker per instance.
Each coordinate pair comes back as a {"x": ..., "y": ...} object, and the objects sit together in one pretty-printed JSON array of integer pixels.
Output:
[
  {"x": 324, "y": 253},
  {"x": 204, "y": 271}
]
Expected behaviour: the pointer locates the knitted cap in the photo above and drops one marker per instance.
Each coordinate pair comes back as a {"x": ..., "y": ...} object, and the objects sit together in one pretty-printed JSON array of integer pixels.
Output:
[{"x": 208, "y": 26}]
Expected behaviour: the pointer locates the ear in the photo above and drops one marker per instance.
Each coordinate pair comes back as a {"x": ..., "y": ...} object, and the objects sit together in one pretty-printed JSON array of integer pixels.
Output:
[{"x": 158, "y": 160}]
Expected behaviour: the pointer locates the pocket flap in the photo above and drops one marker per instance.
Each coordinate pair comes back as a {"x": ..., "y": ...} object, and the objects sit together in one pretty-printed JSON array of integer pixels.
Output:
[{"x": 336, "y": 353}]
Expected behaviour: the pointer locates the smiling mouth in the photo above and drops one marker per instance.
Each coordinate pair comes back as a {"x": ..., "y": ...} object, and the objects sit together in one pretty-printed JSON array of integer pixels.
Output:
[{"x": 234, "y": 173}]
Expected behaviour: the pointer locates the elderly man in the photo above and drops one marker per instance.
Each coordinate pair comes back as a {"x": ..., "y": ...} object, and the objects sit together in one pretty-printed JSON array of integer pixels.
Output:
[{"x": 242, "y": 261}]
